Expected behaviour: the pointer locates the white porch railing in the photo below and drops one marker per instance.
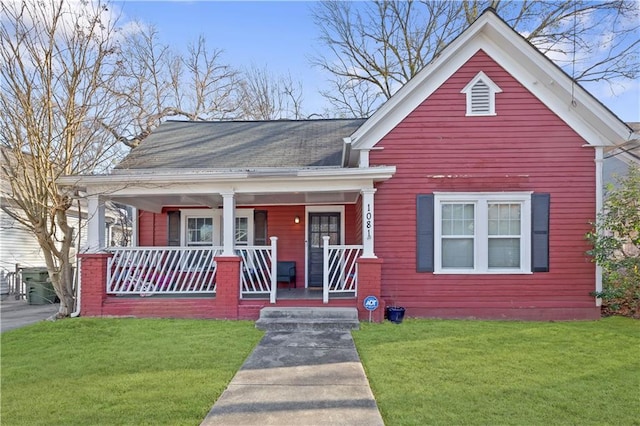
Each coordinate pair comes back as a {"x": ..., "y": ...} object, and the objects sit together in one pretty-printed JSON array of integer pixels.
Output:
[
  {"x": 340, "y": 269},
  {"x": 146, "y": 271},
  {"x": 257, "y": 270}
]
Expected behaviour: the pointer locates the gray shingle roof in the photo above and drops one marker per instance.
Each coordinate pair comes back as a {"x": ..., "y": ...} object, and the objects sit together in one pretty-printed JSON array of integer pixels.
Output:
[{"x": 242, "y": 144}]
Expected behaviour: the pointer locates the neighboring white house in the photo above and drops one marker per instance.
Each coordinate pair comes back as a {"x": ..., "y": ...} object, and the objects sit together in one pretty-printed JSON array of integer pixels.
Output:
[{"x": 19, "y": 248}]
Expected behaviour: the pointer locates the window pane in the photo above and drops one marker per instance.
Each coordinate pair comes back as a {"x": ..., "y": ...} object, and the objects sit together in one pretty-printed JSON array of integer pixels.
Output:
[
  {"x": 333, "y": 238},
  {"x": 199, "y": 230},
  {"x": 242, "y": 230},
  {"x": 457, "y": 253},
  {"x": 447, "y": 227},
  {"x": 457, "y": 219},
  {"x": 504, "y": 252},
  {"x": 468, "y": 211},
  {"x": 504, "y": 219}
]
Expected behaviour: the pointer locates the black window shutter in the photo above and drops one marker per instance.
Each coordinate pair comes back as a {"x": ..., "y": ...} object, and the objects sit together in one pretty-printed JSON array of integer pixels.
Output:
[
  {"x": 424, "y": 233},
  {"x": 173, "y": 228},
  {"x": 540, "y": 232}
]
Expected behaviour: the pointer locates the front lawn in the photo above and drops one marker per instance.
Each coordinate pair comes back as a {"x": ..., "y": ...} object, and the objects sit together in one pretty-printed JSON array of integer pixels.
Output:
[
  {"x": 119, "y": 371},
  {"x": 433, "y": 372},
  {"x": 170, "y": 372}
]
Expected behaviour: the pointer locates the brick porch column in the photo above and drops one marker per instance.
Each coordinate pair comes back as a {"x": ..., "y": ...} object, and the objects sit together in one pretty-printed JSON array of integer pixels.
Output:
[
  {"x": 227, "y": 286},
  {"x": 93, "y": 288},
  {"x": 369, "y": 284}
]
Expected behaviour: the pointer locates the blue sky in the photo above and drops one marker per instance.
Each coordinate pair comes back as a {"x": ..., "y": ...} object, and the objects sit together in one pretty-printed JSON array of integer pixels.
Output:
[{"x": 283, "y": 37}]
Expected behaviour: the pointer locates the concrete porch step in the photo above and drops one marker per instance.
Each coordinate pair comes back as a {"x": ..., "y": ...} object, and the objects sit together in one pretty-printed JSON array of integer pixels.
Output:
[{"x": 308, "y": 319}]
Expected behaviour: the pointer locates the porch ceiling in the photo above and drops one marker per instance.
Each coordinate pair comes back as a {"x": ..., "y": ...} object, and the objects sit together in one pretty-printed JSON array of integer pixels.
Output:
[{"x": 155, "y": 203}]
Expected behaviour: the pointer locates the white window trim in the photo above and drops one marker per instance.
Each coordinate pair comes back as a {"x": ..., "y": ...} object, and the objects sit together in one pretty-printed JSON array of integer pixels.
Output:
[
  {"x": 246, "y": 213},
  {"x": 218, "y": 223},
  {"x": 493, "y": 89},
  {"x": 481, "y": 199},
  {"x": 186, "y": 214}
]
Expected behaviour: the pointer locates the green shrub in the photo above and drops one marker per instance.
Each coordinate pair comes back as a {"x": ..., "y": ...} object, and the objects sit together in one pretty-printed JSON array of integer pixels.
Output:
[{"x": 616, "y": 246}]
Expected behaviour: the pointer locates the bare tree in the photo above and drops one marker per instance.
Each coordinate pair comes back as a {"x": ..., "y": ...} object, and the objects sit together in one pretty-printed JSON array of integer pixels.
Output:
[
  {"x": 265, "y": 96},
  {"x": 211, "y": 86},
  {"x": 156, "y": 83},
  {"x": 146, "y": 86},
  {"x": 56, "y": 61},
  {"x": 373, "y": 48}
]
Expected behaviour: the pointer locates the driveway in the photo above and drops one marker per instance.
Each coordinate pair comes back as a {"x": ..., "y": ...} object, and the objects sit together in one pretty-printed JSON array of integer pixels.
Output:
[{"x": 18, "y": 313}]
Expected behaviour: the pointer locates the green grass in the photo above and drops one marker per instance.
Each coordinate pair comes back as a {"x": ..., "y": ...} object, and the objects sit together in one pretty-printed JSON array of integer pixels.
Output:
[
  {"x": 169, "y": 372},
  {"x": 119, "y": 371},
  {"x": 504, "y": 373}
]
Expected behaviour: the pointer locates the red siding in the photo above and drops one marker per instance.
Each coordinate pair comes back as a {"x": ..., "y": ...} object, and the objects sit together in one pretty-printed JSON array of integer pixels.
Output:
[
  {"x": 524, "y": 147},
  {"x": 280, "y": 223}
]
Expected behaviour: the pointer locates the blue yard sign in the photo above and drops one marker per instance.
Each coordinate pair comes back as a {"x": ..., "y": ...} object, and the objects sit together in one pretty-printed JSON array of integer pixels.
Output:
[{"x": 371, "y": 303}]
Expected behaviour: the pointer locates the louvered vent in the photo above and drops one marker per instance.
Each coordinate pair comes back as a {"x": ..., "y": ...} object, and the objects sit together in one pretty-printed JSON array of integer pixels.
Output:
[
  {"x": 480, "y": 98},
  {"x": 481, "y": 95}
]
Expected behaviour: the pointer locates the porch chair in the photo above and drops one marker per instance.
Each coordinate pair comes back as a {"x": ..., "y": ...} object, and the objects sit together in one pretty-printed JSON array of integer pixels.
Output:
[{"x": 286, "y": 272}]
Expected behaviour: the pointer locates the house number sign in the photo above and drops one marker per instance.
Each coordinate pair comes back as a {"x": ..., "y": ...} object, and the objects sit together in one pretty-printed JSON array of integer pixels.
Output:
[{"x": 369, "y": 221}]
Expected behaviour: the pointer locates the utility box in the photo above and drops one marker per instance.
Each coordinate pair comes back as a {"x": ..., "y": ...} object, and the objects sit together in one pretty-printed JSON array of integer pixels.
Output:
[{"x": 38, "y": 286}]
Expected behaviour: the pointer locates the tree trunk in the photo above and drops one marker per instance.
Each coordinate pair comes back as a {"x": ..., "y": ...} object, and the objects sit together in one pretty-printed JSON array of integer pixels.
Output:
[{"x": 58, "y": 262}]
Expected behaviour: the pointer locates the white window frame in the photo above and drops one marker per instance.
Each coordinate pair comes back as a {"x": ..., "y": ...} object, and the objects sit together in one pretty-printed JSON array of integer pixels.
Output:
[
  {"x": 493, "y": 89},
  {"x": 186, "y": 214},
  {"x": 247, "y": 214},
  {"x": 481, "y": 200},
  {"x": 218, "y": 223}
]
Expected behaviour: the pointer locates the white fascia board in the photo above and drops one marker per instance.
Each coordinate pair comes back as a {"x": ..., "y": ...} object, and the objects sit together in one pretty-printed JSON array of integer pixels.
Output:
[
  {"x": 266, "y": 181},
  {"x": 147, "y": 176},
  {"x": 590, "y": 119},
  {"x": 596, "y": 124},
  {"x": 377, "y": 173}
]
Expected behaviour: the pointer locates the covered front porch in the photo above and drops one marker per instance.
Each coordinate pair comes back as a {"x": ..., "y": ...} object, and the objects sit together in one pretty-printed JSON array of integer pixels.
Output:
[{"x": 212, "y": 250}]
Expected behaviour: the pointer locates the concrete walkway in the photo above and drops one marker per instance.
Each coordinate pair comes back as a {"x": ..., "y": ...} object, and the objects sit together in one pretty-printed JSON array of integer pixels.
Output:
[
  {"x": 18, "y": 313},
  {"x": 299, "y": 378}
]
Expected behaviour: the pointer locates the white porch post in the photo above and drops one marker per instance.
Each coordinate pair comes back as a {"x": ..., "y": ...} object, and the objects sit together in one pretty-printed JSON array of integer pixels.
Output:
[
  {"x": 367, "y": 223},
  {"x": 95, "y": 224},
  {"x": 274, "y": 269},
  {"x": 134, "y": 227},
  {"x": 325, "y": 269},
  {"x": 229, "y": 222},
  {"x": 599, "y": 202}
]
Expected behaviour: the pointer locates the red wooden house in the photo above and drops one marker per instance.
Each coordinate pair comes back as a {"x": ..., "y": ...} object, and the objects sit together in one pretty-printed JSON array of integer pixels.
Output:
[{"x": 468, "y": 194}]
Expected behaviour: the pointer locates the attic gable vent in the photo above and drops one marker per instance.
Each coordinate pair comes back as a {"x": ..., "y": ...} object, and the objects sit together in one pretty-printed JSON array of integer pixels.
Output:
[{"x": 481, "y": 97}]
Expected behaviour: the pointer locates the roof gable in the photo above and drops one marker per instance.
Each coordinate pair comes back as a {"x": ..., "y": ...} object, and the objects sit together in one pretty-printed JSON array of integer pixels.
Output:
[{"x": 552, "y": 86}]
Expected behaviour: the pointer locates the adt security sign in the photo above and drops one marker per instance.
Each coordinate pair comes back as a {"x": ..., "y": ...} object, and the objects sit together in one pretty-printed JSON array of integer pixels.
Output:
[{"x": 371, "y": 303}]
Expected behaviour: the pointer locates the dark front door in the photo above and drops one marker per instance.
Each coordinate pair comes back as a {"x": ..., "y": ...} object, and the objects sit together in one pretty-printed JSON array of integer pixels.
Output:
[{"x": 320, "y": 224}]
